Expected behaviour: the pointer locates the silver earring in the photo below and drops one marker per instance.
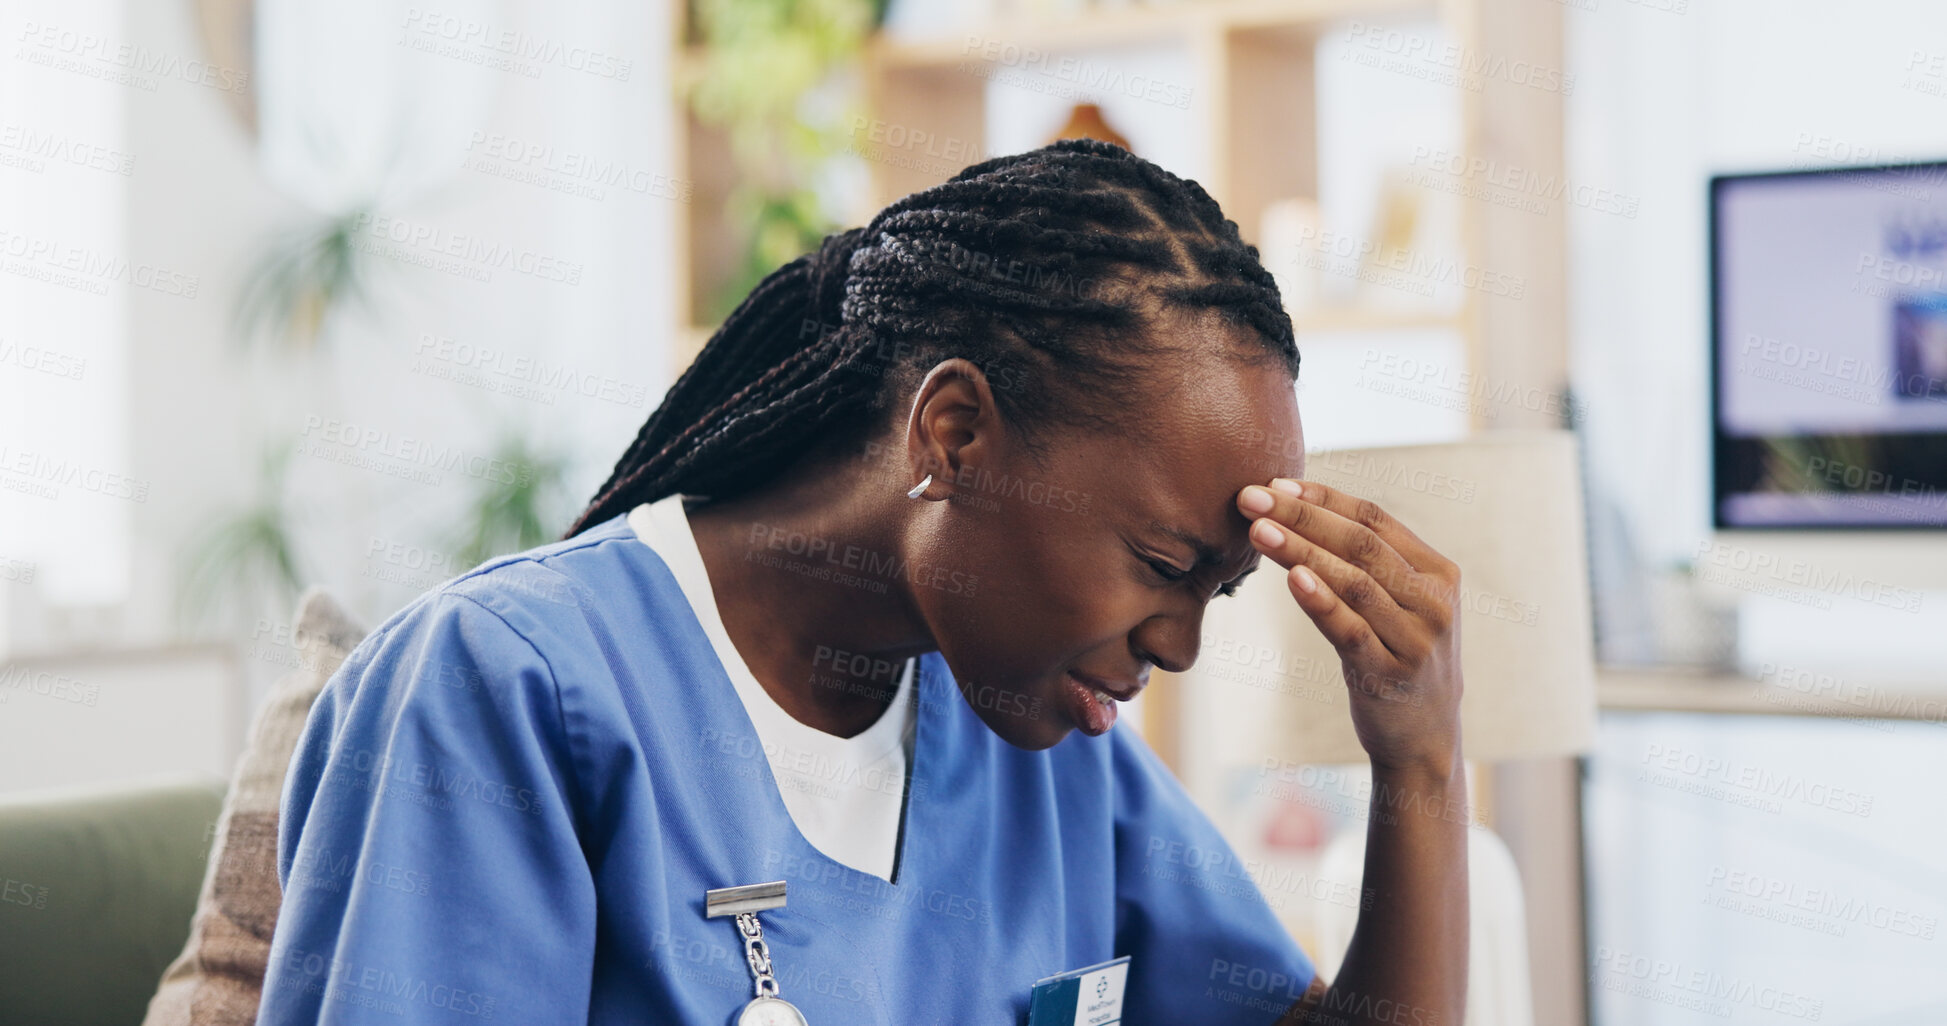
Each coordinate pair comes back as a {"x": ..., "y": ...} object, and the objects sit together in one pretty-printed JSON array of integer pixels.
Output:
[{"x": 920, "y": 487}]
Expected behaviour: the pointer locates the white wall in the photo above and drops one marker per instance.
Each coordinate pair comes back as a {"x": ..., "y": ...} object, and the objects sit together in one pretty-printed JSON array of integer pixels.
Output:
[
  {"x": 1668, "y": 94},
  {"x": 169, "y": 401},
  {"x": 65, "y": 166}
]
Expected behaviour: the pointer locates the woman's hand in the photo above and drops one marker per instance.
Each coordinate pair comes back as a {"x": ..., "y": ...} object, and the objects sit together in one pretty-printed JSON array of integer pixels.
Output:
[{"x": 1386, "y": 600}]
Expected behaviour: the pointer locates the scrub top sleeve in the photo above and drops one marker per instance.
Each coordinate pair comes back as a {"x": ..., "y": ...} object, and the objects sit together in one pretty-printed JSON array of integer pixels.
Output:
[
  {"x": 427, "y": 845},
  {"x": 1205, "y": 946}
]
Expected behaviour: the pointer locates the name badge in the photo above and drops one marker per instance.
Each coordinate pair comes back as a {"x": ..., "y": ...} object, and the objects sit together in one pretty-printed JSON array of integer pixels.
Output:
[{"x": 1082, "y": 997}]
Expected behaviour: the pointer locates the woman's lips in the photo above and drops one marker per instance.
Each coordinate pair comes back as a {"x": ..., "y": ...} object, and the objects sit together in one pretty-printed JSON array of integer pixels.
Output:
[{"x": 1092, "y": 709}]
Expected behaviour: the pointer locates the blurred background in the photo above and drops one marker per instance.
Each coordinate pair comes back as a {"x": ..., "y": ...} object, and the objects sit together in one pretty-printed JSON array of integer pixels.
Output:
[{"x": 358, "y": 295}]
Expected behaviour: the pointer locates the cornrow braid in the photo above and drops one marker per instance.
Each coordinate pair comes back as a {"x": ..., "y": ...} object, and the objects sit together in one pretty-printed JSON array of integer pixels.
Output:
[{"x": 1042, "y": 268}]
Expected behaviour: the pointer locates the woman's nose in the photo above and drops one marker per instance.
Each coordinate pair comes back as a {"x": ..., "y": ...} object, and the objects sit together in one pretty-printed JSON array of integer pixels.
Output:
[{"x": 1170, "y": 640}]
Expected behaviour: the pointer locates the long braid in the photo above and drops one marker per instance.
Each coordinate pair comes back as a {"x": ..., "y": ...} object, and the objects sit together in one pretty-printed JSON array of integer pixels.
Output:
[{"x": 1041, "y": 268}]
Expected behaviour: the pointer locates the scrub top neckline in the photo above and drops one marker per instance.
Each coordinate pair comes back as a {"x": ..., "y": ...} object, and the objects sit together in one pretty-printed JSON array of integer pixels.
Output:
[
  {"x": 641, "y": 521},
  {"x": 874, "y": 742}
]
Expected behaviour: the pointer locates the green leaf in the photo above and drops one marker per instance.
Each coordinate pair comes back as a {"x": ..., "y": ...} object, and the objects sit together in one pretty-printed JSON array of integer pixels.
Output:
[
  {"x": 514, "y": 513},
  {"x": 247, "y": 556},
  {"x": 300, "y": 275},
  {"x": 760, "y": 59}
]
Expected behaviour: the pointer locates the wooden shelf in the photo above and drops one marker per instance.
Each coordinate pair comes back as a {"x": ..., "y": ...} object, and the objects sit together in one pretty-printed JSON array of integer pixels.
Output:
[
  {"x": 1670, "y": 689},
  {"x": 1252, "y": 89},
  {"x": 1096, "y": 29}
]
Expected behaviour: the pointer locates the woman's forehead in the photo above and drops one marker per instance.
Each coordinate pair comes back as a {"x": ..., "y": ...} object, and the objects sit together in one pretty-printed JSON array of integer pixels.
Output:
[
  {"x": 1179, "y": 469},
  {"x": 1230, "y": 417}
]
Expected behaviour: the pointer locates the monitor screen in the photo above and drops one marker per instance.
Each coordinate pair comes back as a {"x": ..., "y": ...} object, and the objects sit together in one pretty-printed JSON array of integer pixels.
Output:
[{"x": 1829, "y": 348}]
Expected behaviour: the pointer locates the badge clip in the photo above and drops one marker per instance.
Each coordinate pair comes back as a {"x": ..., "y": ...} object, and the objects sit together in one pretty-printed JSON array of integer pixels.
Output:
[
  {"x": 732, "y": 901},
  {"x": 766, "y": 1009}
]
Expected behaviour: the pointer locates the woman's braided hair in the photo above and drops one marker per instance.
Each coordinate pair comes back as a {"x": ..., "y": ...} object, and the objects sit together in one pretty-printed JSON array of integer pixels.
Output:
[{"x": 1049, "y": 270}]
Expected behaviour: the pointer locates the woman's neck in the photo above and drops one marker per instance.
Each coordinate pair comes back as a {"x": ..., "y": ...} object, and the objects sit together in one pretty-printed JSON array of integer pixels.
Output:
[{"x": 808, "y": 581}]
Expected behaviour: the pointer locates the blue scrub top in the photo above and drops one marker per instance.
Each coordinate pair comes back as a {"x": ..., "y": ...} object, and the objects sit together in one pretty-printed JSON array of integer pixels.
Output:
[{"x": 507, "y": 805}]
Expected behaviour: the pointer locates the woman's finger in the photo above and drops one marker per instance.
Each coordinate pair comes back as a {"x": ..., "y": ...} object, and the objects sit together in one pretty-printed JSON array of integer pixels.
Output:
[
  {"x": 1351, "y": 587},
  {"x": 1373, "y": 517},
  {"x": 1348, "y": 544},
  {"x": 1348, "y": 632}
]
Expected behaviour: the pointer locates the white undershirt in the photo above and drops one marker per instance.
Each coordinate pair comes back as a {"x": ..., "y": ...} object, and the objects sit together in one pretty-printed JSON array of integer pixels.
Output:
[{"x": 844, "y": 793}]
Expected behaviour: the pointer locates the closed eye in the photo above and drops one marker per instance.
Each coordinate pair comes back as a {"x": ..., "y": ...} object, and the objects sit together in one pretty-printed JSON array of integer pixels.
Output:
[
  {"x": 1166, "y": 571},
  {"x": 1174, "y": 574}
]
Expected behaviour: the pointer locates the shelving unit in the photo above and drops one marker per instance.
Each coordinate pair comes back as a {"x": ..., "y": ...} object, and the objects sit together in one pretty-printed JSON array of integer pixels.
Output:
[{"x": 1254, "y": 94}]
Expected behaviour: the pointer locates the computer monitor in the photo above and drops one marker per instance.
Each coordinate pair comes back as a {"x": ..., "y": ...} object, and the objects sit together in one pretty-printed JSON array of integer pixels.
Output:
[
  {"x": 1828, "y": 360},
  {"x": 1829, "y": 348}
]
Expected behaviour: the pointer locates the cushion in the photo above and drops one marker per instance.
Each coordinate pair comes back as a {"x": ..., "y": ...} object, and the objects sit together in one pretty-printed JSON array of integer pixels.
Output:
[{"x": 219, "y": 976}]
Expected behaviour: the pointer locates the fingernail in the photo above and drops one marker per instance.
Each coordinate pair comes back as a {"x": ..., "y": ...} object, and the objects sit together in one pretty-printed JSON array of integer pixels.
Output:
[
  {"x": 1267, "y": 533},
  {"x": 1257, "y": 500},
  {"x": 1288, "y": 486},
  {"x": 1306, "y": 582}
]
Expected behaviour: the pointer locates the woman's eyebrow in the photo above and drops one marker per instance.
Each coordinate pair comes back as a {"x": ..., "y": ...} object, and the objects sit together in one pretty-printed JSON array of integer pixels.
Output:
[{"x": 1207, "y": 554}]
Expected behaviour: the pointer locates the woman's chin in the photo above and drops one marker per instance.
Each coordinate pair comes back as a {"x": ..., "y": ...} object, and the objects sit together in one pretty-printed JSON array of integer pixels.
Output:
[{"x": 1029, "y": 733}]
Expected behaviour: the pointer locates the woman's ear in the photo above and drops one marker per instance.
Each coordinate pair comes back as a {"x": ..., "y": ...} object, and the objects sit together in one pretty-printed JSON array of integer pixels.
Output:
[{"x": 954, "y": 421}]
